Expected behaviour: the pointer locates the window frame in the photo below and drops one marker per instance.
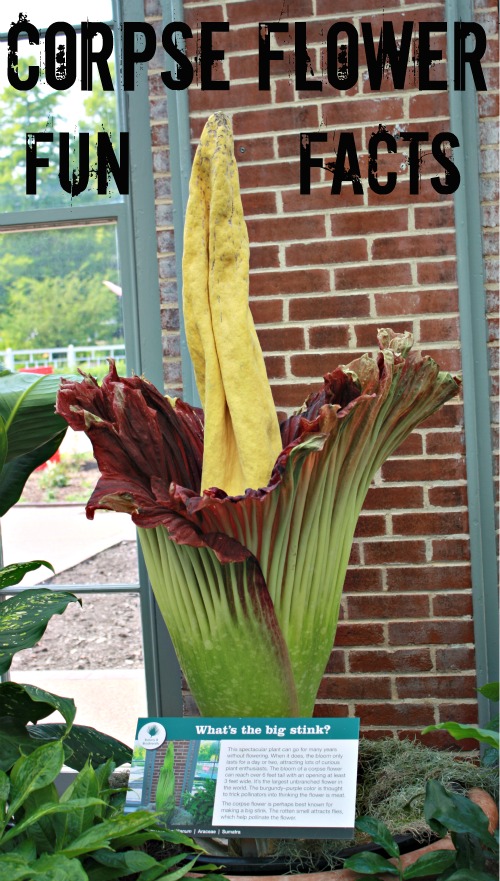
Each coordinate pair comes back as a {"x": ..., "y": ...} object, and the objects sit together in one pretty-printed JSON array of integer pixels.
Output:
[{"x": 134, "y": 216}]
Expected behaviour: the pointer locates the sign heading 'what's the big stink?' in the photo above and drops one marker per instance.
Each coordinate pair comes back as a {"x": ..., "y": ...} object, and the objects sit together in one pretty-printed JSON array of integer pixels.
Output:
[{"x": 409, "y": 59}]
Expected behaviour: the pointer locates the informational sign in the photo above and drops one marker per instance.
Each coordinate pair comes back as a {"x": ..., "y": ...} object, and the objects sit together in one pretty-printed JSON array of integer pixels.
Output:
[{"x": 226, "y": 777}]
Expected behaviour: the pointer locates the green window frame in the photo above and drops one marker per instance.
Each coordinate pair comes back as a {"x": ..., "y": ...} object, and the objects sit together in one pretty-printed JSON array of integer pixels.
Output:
[{"x": 134, "y": 217}]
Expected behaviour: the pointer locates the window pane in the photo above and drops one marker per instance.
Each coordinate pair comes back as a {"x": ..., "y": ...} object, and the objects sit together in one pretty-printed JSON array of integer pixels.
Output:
[
  {"x": 92, "y": 654},
  {"x": 43, "y": 14},
  {"x": 79, "y": 116},
  {"x": 53, "y": 295}
]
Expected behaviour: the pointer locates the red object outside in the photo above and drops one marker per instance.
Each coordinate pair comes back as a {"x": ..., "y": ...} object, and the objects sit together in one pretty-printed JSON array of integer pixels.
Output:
[{"x": 45, "y": 371}]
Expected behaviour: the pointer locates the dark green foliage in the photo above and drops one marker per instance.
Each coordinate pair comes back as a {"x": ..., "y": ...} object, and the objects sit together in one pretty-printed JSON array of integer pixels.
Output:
[{"x": 201, "y": 804}]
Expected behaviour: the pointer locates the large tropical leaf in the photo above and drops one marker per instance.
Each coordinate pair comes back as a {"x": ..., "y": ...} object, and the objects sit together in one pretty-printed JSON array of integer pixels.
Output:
[
  {"x": 15, "y": 573},
  {"x": 28, "y": 703},
  {"x": 14, "y": 474},
  {"x": 27, "y": 410},
  {"x": 24, "y": 618},
  {"x": 85, "y": 743}
]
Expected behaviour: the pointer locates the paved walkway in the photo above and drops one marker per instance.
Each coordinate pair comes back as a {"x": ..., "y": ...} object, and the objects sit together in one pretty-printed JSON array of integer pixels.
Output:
[{"x": 60, "y": 534}]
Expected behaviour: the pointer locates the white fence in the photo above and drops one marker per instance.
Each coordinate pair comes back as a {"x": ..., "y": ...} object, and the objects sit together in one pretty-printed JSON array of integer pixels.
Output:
[{"x": 68, "y": 357}]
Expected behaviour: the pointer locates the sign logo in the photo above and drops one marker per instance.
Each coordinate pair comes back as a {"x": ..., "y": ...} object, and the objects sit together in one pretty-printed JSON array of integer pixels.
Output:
[{"x": 151, "y": 735}]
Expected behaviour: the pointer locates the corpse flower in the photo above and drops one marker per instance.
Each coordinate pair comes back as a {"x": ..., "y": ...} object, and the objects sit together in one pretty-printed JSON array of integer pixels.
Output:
[{"x": 249, "y": 582}]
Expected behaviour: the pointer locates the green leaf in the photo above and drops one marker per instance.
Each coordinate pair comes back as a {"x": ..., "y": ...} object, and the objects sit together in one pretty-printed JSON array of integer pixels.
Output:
[
  {"x": 43, "y": 833},
  {"x": 24, "y": 618},
  {"x": 460, "y": 732},
  {"x": 54, "y": 867},
  {"x": 86, "y": 744},
  {"x": 430, "y": 864},
  {"x": 27, "y": 403},
  {"x": 160, "y": 875},
  {"x": 132, "y": 860},
  {"x": 28, "y": 703},
  {"x": 379, "y": 833},
  {"x": 471, "y": 874},
  {"x": 14, "y": 867},
  {"x": 447, "y": 811},
  {"x": 490, "y": 691},
  {"x": 45, "y": 811},
  {"x": 34, "y": 772},
  {"x": 100, "y": 836},
  {"x": 15, "y": 573},
  {"x": 368, "y": 863},
  {"x": 14, "y": 475},
  {"x": 83, "y": 786}
]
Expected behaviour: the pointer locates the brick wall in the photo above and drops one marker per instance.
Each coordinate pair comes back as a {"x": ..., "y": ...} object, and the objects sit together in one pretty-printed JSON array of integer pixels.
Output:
[{"x": 326, "y": 271}]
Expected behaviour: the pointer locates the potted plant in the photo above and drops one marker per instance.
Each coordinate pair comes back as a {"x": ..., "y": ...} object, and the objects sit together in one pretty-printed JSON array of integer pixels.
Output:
[{"x": 246, "y": 525}]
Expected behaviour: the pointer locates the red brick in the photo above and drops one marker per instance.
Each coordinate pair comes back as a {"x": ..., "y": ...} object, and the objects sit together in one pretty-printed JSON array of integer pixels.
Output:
[
  {"x": 294, "y": 282},
  {"x": 329, "y": 336},
  {"x": 243, "y": 67},
  {"x": 390, "y": 497},
  {"x": 388, "y": 606},
  {"x": 345, "y": 114},
  {"x": 363, "y": 579},
  {"x": 429, "y": 578},
  {"x": 412, "y": 446},
  {"x": 211, "y": 12},
  {"x": 398, "y": 247},
  {"x": 280, "y": 229},
  {"x": 430, "y": 632},
  {"x": 302, "y": 117},
  {"x": 366, "y": 334},
  {"x": 360, "y": 223},
  {"x": 434, "y": 217},
  {"x": 448, "y": 496},
  {"x": 369, "y": 524},
  {"x": 415, "y": 302},
  {"x": 436, "y": 686},
  {"x": 269, "y": 174},
  {"x": 440, "y": 740},
  {"x": 401, "y": 195},
  {"x": 423, "y": 470},
  {"x": 334, "y": 306},
  {"x": 466, "y": 713},
  {"x": 450, "y": 549},
  {"x": 262, "y": 202},
  {"x": 325, "y": 252},
  {"x": 281, "y": 339},
  {"x": 380, "y": 276},
  {"x": 253, "y": 149},
  {"x": 452, "y": 605},
  {"x": 430, "y": 524},
  {"x": 336, "y": 662},
  {"x": 264, "y": 10},
  {"x": 264, "y": 257},
  {"x": 354, "y": 688},
  {"x": 275, "y": 367},
  {"x": 316, "y": 365},
  {"x": 394, "y": 551},
  {"x": 439, "y": 443},
  {"x": 324, "y": 7},
  {"x": 450, "y": 659},
  {"x": 290, "y": 395},
  {"x": 448, "y": 416},
  {"x": 439, "y": 329},
  {"x": 442, "y": 272},
  {"x": 235, "y": 96},
  {"x": 237, "y": 40},
  {"x": 354, "y": 556},
  {"x": 320, "y": 199},
  {"x": 359, "y": 634},
  {"x": 339, "y": 711},
  {"x": 393, "y": 714},
  {"x": 398, "y": 661},
  {"x": 429, "y": 105},
  {"x": 266, "y": 311}
]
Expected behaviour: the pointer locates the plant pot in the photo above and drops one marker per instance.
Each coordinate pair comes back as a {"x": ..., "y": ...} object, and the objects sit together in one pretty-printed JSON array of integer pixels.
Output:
[{"x": 479, "y": 796}]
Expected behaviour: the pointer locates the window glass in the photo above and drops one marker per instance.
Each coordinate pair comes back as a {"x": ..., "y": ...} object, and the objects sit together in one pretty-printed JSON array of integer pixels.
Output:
[
  {"x": 53, "y": 292},
  {"x": 74, "y": 120},
  {"x": 43, "y": 14}
]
